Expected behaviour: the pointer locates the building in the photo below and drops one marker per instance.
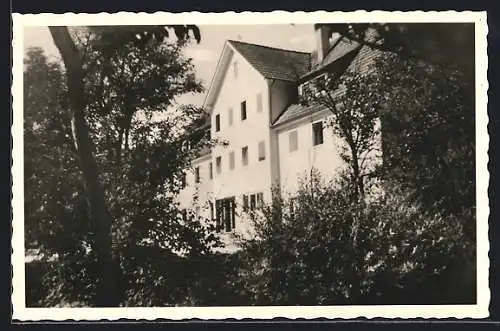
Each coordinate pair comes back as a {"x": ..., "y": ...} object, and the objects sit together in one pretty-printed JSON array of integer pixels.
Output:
[{"x": 272, "y": 140}]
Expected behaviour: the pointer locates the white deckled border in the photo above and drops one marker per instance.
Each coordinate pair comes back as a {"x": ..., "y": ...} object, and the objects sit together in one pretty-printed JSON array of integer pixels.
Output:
[{"x": 479, "y": 310}]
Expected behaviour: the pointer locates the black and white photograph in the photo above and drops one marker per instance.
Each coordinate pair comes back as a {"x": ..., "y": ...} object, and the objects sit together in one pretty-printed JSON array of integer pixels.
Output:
[{"x": 295, "y": 165}]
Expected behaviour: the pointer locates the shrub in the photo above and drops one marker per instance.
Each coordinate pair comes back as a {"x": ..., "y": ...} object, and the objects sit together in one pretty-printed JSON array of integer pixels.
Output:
[{"x": 322, "y": 247}]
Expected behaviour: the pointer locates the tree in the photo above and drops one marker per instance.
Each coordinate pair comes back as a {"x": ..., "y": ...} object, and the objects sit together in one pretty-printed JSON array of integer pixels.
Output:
[
  {"x": 54, "y": 209},
  {"x": 107, "y": 292},
  {"x": 446, "y": 44},
  {"x": 44, "y": 94},
  {"x": 97, "y": 122},
  {"x": 429, "y": 134},
  {"x": 426, "y": 111},
  {"x": 74, "y": 73},
  {"x": 304, "y": 252},
  {"x": 354, "y": 109},
  {"x": 421, "y": 114}
]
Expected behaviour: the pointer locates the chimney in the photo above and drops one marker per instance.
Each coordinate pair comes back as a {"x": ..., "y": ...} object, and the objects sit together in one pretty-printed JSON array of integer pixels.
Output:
[{"x": 322, "y": 32}]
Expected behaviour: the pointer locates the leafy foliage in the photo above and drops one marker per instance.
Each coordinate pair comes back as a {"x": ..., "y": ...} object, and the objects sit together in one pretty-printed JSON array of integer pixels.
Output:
[
  {"x": 417, "y": 117},
  {"x": 140, "y": 159},
  {"x": 355, "y": 112},
  {"x": 324, "y": 247},
  {"x": 321, "y": 246},
  {"x": 439, "y": 43},
  {"x": 429, "y": 134}
]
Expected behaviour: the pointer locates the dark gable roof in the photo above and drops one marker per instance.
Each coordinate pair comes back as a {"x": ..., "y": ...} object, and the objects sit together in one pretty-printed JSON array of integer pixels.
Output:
[
  {"x": 339, "y": 50},
  {"x": 295, "y": 111},
  {"x": 342, "y": 53},
  {"x": 274, "y": 63}
]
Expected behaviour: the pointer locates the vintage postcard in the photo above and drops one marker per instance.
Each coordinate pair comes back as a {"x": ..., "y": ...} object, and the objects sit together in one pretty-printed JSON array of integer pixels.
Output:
[{"x": 250, "y": 165}]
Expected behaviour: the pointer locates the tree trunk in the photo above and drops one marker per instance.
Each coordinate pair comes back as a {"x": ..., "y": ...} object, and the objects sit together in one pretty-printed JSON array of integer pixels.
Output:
[{"x": 106, "y": 295}]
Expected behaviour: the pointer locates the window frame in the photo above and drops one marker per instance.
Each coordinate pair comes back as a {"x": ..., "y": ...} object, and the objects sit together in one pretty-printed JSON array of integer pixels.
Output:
[
  {"x": 259, "y": 200},
  {"x": 245, "y": 202},
  {"x": 230, "y": 116},
  {"x": 260, "y": 102},
  {"x": 295, "y": 134},
  {"x": 197, "y": 176},
  {"x": 253, "y": 201},
  {"x": 217, "y": 122},
  {"x": 232, "y": 160},
  {"x": 243, "y": 110},
  {"x": 184, "y": 180},
  {"x": 261, "y": 157},
  {"x": 218, "y": 165},
  {"x": 244, "y": 155},
  {"x": 315, "y": 125}
]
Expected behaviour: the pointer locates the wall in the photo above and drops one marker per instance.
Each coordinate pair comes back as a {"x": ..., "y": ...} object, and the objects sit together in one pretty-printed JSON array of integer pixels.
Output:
[
  {"x": 256, "y": 176},
  {"x": 282, "y": 94},
  {"x": 324, "y": 157},
  {"x": 202, "y": 190}
]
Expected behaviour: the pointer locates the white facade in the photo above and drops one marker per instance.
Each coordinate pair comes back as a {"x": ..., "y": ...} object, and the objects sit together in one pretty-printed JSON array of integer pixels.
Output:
[
  {"x": 295, "y": 163},
  {"x": 277, "y": 152}
]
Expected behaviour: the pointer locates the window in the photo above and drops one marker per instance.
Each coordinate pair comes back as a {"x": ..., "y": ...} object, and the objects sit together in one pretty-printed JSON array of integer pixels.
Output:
[
  {"x": 317, "y": 133},
  {"x": 244, "y": 155},
  {"x": 260, "y": 200},
  {"x": 197, "y": 174},
  {"x": 243, "y": 110},
  {"x": 230, "y": 116},
  {"x": 218, "y": 164},
  {"x": 245, "y": 202},
  {"x": 235, "y": 69},
  {"x": 231, "y": 160},
  {"x": 210, "y": 170},
  {"x": 252, "y": 201},
  {"x": 259, "y": 102},
  {"x": 184, "y": 180},
  {"x": 217, "y": 123},
  {"x": 293, "y": 140},
  {"x": 226, "y": 214},
  {"x": 212, "y": 212},
  {"x": 262, "y": 151}
]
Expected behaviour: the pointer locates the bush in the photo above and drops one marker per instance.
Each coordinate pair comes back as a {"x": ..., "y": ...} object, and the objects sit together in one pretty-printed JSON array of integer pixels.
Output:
[{"x": 322, "y": 247}]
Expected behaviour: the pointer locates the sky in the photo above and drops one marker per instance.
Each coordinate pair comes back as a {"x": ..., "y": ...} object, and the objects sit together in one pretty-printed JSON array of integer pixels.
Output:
[{"x": 205, "y": 55}]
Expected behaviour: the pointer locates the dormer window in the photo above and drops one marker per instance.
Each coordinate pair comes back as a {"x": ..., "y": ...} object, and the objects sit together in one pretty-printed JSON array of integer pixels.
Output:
[{"x": 311, "y": 86}]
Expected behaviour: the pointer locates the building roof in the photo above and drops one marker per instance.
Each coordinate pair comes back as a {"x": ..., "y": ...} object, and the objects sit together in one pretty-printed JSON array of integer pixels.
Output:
[
  {"x": 274, "y": 63},
  {"x": 338, "y": 50},
  {"x": 343, "y": 52},
  {"x": 295, "y": 111}
]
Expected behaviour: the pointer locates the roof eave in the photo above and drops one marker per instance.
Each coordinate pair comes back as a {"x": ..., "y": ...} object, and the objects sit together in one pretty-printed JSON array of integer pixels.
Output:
[
  {"x": 217, "y": 78},
  {"x": 297, "y": 118}
]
